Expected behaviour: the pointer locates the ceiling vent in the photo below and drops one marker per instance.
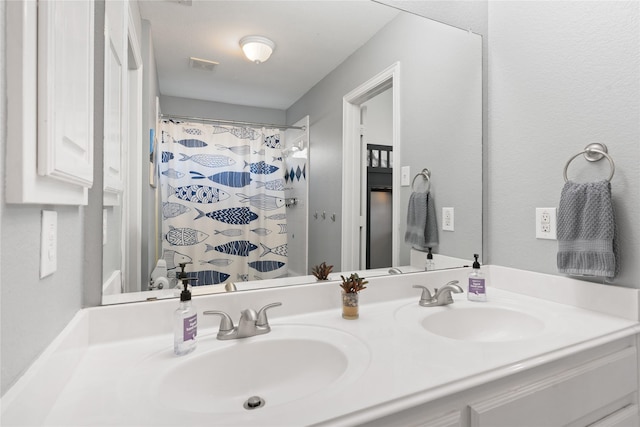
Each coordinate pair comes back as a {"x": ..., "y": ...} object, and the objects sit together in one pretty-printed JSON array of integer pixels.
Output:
[{"x": 202, "y": 64}]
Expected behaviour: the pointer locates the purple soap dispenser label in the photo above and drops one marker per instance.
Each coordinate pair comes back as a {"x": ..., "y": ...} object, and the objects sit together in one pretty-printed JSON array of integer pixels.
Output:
[
  {"x": 190, "y": 327},
  {"x": 476, "y": 286}
]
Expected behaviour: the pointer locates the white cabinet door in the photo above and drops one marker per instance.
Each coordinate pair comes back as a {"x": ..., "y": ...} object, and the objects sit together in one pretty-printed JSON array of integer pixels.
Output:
[
  {"x": 50, "y": 101},
  {"x": 560, "y": 399},
  {"x": 65, "y": 90}
]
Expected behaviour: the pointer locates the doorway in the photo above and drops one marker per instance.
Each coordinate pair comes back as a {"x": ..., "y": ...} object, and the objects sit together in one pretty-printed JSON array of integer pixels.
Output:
[
  {"x": 379, "y": 213},
  {"x": 354, "y": 176}
]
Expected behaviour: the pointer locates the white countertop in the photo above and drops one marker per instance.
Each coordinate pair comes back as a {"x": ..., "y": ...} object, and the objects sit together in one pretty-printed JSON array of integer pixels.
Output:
[{"x": 406, "y": 365}]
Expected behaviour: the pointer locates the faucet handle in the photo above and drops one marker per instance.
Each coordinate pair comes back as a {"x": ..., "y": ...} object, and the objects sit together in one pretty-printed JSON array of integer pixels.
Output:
[
  {"x": 452, "y": 286},
  {"x": 452, "y": 283},
  {"x": 444, "y": 297},
  {"x": 426, "y": 294},
  {"x": 262, "y": 314},
  {"x": 226, "y": 323}
]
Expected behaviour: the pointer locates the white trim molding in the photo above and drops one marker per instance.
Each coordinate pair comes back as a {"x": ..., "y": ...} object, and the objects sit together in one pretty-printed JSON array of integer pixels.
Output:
[{"x": 351, "y": 155}]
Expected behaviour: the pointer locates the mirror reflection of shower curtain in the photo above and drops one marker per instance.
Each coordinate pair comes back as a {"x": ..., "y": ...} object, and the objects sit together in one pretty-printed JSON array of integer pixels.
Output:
[{"x": 223, "y": 206}]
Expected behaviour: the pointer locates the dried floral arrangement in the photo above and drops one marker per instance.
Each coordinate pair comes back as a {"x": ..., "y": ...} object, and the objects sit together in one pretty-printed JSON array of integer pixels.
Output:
[
  {"x": 322, "y": 271},
  {"x": 353, "y": 284}
]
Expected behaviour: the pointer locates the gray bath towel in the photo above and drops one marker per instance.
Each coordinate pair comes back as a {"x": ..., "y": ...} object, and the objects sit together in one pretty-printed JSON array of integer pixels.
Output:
[
  {"x": 422, "y": 229},
  {"x": 587, "y": 230}
]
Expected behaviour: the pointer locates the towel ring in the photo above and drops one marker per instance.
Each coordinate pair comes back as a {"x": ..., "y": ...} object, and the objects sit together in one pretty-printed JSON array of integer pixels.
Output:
[
  {"x": 426, "y": 174},
  {"x": 593, "y": 153}
]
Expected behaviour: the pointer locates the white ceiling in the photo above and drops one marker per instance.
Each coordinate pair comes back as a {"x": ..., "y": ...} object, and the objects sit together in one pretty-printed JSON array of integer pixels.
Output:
[{"x": 312, "y": 38}]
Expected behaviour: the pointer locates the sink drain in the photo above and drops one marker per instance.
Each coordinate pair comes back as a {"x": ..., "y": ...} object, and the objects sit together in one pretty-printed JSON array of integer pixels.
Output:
[{"x": 254, "y": 402}]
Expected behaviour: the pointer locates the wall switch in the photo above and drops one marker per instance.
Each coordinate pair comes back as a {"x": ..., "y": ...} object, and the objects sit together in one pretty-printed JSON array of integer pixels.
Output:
[
  {"x": 49, "y": 243},
  {"x": 546, "y": 223},
  {"x": 405, "y": 176},
  {"x": 447, "y": 219}
]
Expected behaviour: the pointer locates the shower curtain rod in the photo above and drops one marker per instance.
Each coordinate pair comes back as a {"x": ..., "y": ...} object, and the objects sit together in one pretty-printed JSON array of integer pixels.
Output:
[{"x": 230, "y": 122}]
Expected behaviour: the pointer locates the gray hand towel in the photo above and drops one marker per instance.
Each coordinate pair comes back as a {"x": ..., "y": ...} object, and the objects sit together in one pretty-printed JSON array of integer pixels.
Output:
[
  {"x": 587, "y": 230},
  {"x": 422, "y": 229}
]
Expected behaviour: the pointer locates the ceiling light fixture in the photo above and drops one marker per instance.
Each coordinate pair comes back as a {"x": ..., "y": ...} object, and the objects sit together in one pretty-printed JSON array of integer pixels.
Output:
[{"x": 257, "y": 48}]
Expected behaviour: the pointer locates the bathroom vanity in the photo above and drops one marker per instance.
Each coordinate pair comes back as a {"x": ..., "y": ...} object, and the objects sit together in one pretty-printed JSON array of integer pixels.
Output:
[{"x": 543, "y": 351}]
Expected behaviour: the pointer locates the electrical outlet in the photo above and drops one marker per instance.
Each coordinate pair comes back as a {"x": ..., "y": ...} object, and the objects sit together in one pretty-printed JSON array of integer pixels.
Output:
[
  {"x": 546, "y": 223},
  {"x": 447, "y": 219}
]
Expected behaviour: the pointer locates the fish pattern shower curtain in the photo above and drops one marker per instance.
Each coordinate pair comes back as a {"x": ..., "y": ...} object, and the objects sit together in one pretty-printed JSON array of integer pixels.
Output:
[{"x": 223, "y": 206}]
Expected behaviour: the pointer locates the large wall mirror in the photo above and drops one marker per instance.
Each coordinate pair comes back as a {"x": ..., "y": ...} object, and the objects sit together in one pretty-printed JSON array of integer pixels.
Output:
[{"x": 369, "y": 103}]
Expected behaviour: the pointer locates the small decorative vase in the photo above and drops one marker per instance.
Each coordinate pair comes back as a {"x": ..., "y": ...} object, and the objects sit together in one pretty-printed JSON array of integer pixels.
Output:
[{"x": 350, "y": 305}]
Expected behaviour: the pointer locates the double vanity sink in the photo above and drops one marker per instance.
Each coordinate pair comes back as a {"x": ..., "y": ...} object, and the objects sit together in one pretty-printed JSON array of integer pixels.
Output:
[
  {"x": 313, "y": 368},
  {"x": 298, "y": 361}
]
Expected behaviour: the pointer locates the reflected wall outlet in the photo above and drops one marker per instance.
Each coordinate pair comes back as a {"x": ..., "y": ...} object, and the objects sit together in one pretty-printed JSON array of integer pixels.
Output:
[
  {"x": 546, "y": 223},
  {"x": 447, "y": 219},
  {"x": 49, "y": 243}
]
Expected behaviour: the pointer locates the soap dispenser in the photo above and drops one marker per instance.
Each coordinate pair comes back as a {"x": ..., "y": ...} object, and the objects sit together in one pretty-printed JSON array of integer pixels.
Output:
[
  {"x": 430, "y": 265},
  {"x": 185, "y": 322},
  {"x": 477, "y": 290}
]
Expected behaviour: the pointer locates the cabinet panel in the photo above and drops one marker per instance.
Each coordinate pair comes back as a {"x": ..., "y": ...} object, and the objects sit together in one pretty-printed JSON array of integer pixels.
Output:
[
  {"x": 65, "y": 91},
  {"x": 580, "y": 390},
  {"x": 625, "y": 417},
  {"x": 449, "y": 420},
  {"x": 44, "y": 104},
  {"x": 421, "y": 416}
]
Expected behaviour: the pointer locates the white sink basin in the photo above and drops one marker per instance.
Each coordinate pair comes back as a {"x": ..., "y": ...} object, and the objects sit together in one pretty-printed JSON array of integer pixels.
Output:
[
  {"x": 474, "y": 322},
  {"x": 488, "y": 324},
  {"x": 289, "y": 363}
]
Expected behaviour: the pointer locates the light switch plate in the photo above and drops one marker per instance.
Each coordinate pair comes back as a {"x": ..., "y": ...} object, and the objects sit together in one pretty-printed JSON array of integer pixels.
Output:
[
  {"x": 405, "y": 176},
  {"x": 49, "y": 243}
]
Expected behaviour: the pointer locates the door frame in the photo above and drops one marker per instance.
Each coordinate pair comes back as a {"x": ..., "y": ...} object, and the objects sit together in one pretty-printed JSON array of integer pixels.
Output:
[
  {"x": 353, "y": 221},
  {"x": 132, "y": 201}
]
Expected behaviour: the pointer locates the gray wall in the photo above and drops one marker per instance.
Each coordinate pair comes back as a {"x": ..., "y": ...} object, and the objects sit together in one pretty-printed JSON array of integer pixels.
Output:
[
  {"x": 378, "y": 118},
  {"x": 219, "y": 110},
  {"x": 33, "y": 311},
  {"x": 562, "y": 75},
  {"x": 471, "y": 15},
  {"x": 436, "y": 91},
  {"x": 112, "y": 248}
]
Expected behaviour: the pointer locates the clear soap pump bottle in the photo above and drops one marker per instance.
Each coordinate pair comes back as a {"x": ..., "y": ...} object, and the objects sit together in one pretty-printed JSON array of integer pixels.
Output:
[
  {"x": 185, "y": 321},
  {"x": 430, "y": 265},
  {"x": 477, "y": 290}
]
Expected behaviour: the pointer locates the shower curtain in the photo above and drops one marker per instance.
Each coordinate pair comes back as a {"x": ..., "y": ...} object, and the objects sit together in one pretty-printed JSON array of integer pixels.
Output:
[{"x": 223, "y": 206}]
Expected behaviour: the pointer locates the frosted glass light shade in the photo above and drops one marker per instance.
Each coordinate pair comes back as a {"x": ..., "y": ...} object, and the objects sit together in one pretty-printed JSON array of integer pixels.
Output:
[{"x": 257, "y": 48}]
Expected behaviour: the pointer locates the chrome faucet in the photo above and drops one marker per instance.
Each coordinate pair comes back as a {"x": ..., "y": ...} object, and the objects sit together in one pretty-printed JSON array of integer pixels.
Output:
[
  {"x": 395, "y": 270},
  {"x": 251, "y": 323},
  {"x": 440, "y": 296}
]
